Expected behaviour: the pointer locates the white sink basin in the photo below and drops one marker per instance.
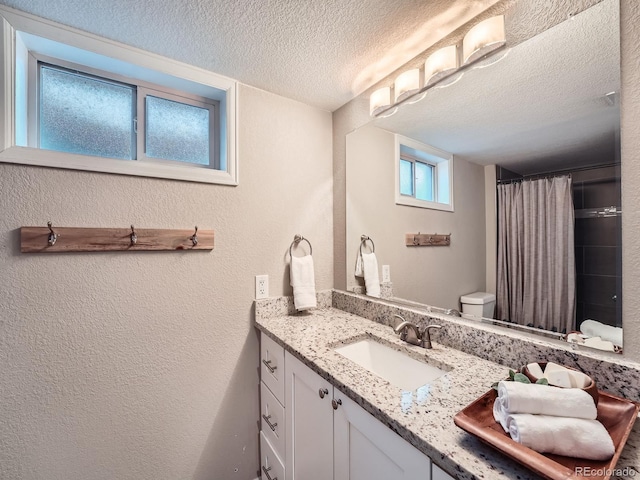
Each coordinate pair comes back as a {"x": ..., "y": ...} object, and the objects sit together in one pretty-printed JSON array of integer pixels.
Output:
[{"x": 395, "y": 367}]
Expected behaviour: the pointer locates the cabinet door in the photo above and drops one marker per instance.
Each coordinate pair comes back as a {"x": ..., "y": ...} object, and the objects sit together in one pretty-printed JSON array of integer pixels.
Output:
[
  {"x": 365, "y": 449},
  {"x": 309, "y": 425}
]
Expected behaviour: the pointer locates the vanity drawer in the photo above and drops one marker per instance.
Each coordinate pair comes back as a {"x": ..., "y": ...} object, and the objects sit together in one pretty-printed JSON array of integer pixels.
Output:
[
  {"x": 272, "y": 366},
  {"x": 272, "y": 419},
  {"x": 271, "y": 466}
]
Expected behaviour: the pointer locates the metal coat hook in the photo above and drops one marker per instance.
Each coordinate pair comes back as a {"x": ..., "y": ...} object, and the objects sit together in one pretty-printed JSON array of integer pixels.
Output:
[
  {"x": 133, "y": 237},
  {"x": 416, "y": 239},
  {"x": 194, "y": 237},
  {"x": 53, "y": 236}
]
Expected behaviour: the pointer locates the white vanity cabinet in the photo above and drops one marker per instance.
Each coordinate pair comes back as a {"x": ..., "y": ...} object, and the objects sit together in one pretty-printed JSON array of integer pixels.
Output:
[{"x": 330, "y": 436}]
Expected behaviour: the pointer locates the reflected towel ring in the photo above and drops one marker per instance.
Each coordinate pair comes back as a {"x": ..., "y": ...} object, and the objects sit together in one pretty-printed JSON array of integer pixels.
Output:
[
  {"x": 296, "y": 240},
  {"x": 363, "y": 240}
]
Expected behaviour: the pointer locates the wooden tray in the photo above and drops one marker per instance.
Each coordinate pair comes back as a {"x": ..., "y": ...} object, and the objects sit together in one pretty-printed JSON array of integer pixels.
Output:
[{"x": 616, "y": 414}]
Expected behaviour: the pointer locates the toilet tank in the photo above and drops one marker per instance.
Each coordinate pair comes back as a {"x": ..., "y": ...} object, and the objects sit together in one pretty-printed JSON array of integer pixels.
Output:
[{"x": 480, "y": 304}]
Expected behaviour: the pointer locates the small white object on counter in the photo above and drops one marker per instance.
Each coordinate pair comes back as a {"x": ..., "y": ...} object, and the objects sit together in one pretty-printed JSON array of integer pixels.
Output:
[
  {"x": 560, "y": 376},
  {"x": 535, "y": 370}
]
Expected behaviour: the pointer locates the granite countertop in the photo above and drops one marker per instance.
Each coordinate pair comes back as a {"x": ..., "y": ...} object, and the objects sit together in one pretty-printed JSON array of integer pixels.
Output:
[{"x": 423, "y": 417}]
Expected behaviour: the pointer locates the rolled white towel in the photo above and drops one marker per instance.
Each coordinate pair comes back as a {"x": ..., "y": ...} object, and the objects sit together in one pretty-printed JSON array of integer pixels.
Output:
[
  {"x": 499, "y": 414},
  {"x": 570, "y": 437},
  {"x": 594, "y": 328},
  {"x": 303, "y": 282},
  {"x": 520, "y": 397},
  {"x": 371, "y": 278}
]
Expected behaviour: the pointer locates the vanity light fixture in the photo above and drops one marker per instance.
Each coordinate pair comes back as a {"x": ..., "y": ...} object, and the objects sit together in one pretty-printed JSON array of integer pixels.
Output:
[
  {"x": 406, "y": 85},
  {"x": 380, "y": 101},
  {"x": 440, "y": 64},
  {"x": 482, "y": 40}
]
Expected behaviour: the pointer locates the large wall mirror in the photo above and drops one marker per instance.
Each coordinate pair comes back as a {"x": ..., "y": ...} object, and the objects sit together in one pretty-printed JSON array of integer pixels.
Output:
[{"x": 535, "y": 136}]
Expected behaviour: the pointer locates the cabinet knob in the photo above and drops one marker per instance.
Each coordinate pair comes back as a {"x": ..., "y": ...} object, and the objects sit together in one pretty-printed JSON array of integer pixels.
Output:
[
  {"x": 322, "y": 392},
  {"x": 335, "y": 403}
]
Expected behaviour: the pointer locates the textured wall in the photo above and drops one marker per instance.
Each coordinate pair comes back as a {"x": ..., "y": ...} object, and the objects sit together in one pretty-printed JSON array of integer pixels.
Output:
[
  {"x": 144, "y": 365},
  {"x": 422, "y": 274},
  {"x": 630, "y": 143}
]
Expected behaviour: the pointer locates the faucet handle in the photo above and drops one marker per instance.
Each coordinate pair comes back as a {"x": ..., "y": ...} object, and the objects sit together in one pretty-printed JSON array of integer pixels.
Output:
[{"x": 426, "y": 335}]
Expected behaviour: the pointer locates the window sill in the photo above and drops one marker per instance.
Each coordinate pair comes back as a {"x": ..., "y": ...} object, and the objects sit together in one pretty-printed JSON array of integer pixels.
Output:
[
  {"x": 49, "y": 158},
  {"x": 414, "y": 202}
]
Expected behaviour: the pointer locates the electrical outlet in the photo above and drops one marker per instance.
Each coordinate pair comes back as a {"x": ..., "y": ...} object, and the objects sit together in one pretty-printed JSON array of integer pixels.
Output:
[
  {"x": 262, "y": 286},
  {"x": 386, "y": 274}
]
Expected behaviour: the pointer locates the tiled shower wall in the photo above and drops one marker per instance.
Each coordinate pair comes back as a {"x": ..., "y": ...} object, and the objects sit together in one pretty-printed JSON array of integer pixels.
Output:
[{"x": 598, "y": 246}]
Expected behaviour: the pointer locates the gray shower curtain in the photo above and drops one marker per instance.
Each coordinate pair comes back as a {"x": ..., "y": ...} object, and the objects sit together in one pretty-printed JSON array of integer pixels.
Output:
[{"x": 536, "y": 260}]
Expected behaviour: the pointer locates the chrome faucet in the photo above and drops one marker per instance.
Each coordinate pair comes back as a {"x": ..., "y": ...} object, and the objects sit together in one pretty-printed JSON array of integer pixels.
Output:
[
  {"x": 423, "y": 337},
  {"x": 403, "y": 329}
]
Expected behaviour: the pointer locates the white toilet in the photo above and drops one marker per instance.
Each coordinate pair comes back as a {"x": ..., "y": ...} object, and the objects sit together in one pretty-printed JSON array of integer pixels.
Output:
[{"x": 479, "y": 304}]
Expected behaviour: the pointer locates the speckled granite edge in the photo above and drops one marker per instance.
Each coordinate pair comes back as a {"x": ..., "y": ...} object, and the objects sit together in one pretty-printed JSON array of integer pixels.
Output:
[
  {"x": 507, "y": 347},
  {"x": 277, "y": 306}
]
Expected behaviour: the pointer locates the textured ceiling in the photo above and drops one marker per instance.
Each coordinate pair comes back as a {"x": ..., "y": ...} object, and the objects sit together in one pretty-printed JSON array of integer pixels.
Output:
[
  {"x": 540, "y": 108},
  {"x": 320, "y": 52}
]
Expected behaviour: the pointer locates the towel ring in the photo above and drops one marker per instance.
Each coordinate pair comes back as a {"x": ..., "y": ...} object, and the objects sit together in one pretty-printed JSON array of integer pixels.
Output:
[
  {"x": 363, "y": 240},
  {"x": 296, "y": 240}
]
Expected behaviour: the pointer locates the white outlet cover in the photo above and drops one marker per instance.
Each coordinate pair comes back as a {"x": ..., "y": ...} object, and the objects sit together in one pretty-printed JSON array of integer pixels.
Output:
[
  {"x": 262, "y": 286},
  {"x": 386, "y": 274}
]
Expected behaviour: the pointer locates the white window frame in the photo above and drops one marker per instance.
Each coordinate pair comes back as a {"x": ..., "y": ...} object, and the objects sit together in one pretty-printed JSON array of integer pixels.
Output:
[
  {"x": 22, "y": 33},
  {"x": 412, "y": 150},
  {"x": 413, "y": 160}
]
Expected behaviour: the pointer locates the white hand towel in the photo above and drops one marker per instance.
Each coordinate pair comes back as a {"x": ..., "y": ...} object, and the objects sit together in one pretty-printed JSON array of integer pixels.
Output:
[
  {"x": 572, "y": 437},
  {"x": 303, "y": 282},
  {"x": 605, "y": 332},
  {"x": 359, "y": 272},
  {"x": 371, "y": 279},
  {"x": 520, "y": 397}
]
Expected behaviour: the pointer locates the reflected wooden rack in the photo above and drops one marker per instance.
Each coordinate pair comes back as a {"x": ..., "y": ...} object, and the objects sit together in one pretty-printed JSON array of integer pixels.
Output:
[
  {"x": 51, "y": 239},
  {"x": 427, "y": 240}
]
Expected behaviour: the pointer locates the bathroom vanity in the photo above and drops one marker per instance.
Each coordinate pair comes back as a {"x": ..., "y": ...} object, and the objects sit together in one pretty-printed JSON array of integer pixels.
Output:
[{"x": 325, "y": 416}]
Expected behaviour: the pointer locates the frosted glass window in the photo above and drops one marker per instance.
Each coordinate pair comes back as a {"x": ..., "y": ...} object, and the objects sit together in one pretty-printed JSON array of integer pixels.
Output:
[
  {"x": 424, "y": 181},
  {"x": 85, "y": 115},
  {"x": 406, "y": 177},
  {"x": 177, "y": 131}
]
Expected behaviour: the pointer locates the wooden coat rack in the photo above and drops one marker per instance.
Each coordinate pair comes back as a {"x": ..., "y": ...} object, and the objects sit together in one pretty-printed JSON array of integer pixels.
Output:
[
  {"x": 52, "y": 239},
  {"x": 427, "y": 240}
]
